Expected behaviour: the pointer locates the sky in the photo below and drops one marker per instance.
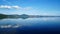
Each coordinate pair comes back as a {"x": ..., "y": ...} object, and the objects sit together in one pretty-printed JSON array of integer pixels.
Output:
[{"x": 30, "y": 7}]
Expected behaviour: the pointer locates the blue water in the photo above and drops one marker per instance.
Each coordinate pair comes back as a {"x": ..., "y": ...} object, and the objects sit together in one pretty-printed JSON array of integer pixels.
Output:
[{"x": 49, "y": 25}]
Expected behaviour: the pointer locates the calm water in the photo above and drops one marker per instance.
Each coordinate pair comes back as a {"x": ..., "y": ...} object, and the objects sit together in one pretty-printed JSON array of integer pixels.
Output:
[{"x": 30, "y": 26}]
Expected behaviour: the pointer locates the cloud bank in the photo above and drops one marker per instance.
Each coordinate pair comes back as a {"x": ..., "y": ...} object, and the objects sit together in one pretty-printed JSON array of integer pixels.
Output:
[{"x": 15, "y": 7}]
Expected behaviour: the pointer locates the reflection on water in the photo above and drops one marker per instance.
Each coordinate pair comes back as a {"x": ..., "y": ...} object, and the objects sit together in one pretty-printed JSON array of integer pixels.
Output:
[{"x": 30, "y": 25}]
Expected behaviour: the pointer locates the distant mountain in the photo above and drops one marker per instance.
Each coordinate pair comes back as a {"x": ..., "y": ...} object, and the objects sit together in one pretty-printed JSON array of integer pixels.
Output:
[
  {"x": 3, "y": 16},
  {"x": 24, "y": 16}
]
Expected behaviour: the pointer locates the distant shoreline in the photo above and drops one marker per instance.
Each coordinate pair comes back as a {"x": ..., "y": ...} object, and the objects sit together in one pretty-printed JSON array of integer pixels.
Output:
[{"x": 23, "y": 16}]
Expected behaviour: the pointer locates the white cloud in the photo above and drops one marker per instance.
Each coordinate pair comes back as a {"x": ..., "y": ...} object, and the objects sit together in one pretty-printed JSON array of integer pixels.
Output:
[
  {"x": 5, "y": 6},
  {"x": 17, "y": 7},
  {"x": 9, "y": 7}
]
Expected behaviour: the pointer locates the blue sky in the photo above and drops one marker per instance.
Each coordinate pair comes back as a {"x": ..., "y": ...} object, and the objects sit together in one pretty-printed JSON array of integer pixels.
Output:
[{"x": 31, "y": 7}]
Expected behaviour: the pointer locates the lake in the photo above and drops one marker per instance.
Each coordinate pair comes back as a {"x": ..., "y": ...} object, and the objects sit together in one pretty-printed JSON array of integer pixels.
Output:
[{"x": 43, "y": 25}]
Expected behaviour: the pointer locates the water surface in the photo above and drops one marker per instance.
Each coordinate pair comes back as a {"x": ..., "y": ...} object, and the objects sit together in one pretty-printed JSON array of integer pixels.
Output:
[{"x": 30, "y": 25}]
